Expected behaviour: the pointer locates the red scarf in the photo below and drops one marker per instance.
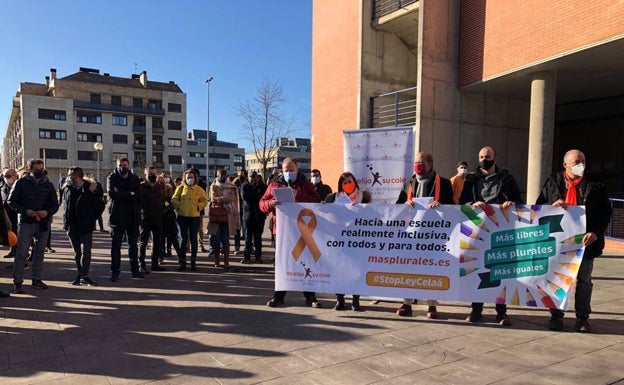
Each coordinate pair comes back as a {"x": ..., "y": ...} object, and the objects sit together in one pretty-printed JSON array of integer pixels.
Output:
[
  {"x": 571, "y": 194},
  {"x": 436, "y": 190}
]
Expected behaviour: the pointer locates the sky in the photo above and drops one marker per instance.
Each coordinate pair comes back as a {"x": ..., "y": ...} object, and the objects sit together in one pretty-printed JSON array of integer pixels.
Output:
[{"x": 241, "y": 44}]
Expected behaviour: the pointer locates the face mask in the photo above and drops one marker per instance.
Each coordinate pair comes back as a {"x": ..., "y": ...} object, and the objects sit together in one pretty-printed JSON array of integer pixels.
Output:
[
  {"x": 578, "y": 169},
  {"x": 290, "y": 177},
  {"x": 420, "y": 169},
  {"x": 151, "y": 178},
  {"x": 190, "y": 181},
  {"x": 222, "y": 180},
  {"x": 167, "y": 180},
  {"x": 348, "y": 187},
  {"x": 123, "y": 170},
  {"x": 38, "y": 174},
  {"x": 315, "y": 180},
  {"x": 69, "y": 182},
  {"x": 486, "y": 164},
  {"x": 462, "y": 171}
]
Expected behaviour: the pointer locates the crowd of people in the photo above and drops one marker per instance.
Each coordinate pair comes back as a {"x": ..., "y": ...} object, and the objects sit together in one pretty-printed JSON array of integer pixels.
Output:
[{"x": 171, "y": 214}]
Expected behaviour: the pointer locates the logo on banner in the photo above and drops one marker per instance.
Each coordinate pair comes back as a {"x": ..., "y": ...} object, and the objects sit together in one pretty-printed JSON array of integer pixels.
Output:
[{"x": 305, "y": 239}]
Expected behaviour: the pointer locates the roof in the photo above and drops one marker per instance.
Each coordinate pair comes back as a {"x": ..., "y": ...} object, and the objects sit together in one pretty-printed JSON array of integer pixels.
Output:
[{"x": 89, "y": 77}]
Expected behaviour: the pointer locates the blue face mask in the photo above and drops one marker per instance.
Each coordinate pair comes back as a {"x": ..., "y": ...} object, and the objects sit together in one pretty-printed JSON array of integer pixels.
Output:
[
  {"x": 190, "y": 181},
  {"x": 290, "y": 177}
]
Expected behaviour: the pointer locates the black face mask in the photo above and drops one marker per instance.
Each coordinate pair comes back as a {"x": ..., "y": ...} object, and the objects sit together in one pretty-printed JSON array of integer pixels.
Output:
[
  {"x": 486, "y": 164},
  {"x": 38, "y": 174},
  {"x": 151, "y": 178},
  {"x": 123, "y": 170}
]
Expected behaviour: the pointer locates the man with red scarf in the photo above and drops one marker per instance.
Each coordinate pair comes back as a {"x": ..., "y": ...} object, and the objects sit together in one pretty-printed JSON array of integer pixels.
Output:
[{"x": 574, "y": 187}]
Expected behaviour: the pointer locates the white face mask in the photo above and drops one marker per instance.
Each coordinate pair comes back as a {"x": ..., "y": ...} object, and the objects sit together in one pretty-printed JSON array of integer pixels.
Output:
[
  {"x": 578, "y": 169},
  {"x": 462, "y": 171},
  {"x": 167, "y": 180},
  {"x": 315, "y": 180},
  {"x": 290, "y": 176}
]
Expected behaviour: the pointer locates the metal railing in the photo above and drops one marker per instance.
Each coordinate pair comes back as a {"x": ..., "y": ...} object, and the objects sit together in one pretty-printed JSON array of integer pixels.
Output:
[
  {"x": 115, "y": 108},
  {"x": 384, "y": 7},
  {"x": 396, "y": 108}
]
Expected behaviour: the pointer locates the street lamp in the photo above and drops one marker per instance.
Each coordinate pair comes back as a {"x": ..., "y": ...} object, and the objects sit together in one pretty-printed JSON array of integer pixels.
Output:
[
  {"x": 208, "y": 133},
  {"x": 98, "y": 146}
]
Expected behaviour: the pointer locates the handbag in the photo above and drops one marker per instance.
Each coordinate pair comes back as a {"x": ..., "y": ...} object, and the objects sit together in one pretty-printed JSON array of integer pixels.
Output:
[{"x": 217, "y": 214}]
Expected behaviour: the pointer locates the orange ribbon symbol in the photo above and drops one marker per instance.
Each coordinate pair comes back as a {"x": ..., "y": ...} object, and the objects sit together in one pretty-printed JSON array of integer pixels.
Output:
[{"x": 306, "y": 238}]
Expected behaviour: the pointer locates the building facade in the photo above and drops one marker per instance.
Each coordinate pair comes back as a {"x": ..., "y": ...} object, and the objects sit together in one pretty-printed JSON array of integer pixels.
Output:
[
  {"x": 221, "y": 155},
  {"x": 61, "y": 120},
  {"x": 296, "y": 148},
  {"x": 531, "y": 79}
]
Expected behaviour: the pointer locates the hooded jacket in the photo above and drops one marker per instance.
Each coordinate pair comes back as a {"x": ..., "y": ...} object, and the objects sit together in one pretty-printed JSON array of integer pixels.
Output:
[{"x": 81, "y": 212}]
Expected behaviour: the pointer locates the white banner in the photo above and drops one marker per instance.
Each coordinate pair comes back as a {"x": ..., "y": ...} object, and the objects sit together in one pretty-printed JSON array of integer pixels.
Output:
[
  {"x": 381, "y": 159},
  {"x": 524, "y": 255}
]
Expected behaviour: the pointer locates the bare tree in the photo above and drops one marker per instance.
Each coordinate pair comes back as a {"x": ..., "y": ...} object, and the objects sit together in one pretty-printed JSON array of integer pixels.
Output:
[{"x": 266, "y": 121}]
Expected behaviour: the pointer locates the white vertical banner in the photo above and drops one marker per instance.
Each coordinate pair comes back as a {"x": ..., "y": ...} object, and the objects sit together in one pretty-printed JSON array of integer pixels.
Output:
[{"x": 381, "y": 159}]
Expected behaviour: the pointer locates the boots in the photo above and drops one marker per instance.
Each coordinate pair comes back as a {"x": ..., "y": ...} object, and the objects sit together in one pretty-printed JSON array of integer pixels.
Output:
[
  {"x": 193, "y": 266},
  {"x": 226, "y": 256},
  {"x": 340, "y": 303},
  {"x": 355, "y": 304},
  {"x": 182, "y": 266},
  {"x": 217, "y": 254}
]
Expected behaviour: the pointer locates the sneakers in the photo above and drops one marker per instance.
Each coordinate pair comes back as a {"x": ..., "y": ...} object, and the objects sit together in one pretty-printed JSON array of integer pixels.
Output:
[
  {"x": 582, "y": 326},
  {"x": 38, "y": 284},
  {"x": 274, "y": 302},
  {"x": 138, "y": 275},
  {"x": 246, "y": 261},
  {"x": 18, "y": 289},
  {"x": 313, "y": 302},
  {"x": 405, "y": 310},
  {"x": 87, "y": 281},
  {"x": 432, "y": 312},
  {"x": 503, "y": 319},
  {"x": 259, "y": 260},
  {"x": 4, "y": 294},
  {"x": 76, "y": 282},
  {"x": 474, "y": 316},
  {"x": 555, "y": 323}
]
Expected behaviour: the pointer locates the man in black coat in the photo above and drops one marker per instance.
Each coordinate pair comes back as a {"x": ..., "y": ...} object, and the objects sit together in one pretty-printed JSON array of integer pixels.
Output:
[
  {"x": 124, "y": 191},
  {"x": 424, "y": 183},
  {"x": 9, "y": 176},
  {"x": 152, "y": 209},
  {"x": 322, "y": 189},
  {"x": 253, "y": 217},
  {"x": 574, "y": 187},
  {"x": 82, "y": 205}
]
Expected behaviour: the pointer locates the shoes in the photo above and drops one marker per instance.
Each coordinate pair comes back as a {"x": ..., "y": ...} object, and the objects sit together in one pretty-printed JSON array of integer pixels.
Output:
[
  {"x": 502, "y": 319},
  {"x": 203, "y": 249},
  {"x": 37, "y": 283},
  {"x": 432, "y": 312},
  {"x": 87, "y": 281},
  {"x": 50, "y": 250},
  {"x": 375, "y": 302},
  {"x": 259, "y": 260},
  {"x": 182, "y": 267},
  {"x": 313, "y": 302},
  {"x": 28, "y": 257},
  {"x": 138, "y": 275},
  {"x": 405, "y": 310},
  {"x": 555, "y": 323},
  {"x": 246, "y": 261},
  {"x": 340, "y": 304},
  {"x": 17, "y": 289},
  {"x": 10, "y": 255},
  {"x": 143, "y": 269},
  {"x": 76, "y": 282},
  {"x": 193, "y": 266},
  {"x": 4, "y": 294},
  {"x": 115, "y": 276},
  {"x": 582, "y": 326},
  {"x": 158, "y": 268},
  {"x": 274, "y": 302},
  {"x": 474, "y": 316},
  {"x": 355, "y": 305}
]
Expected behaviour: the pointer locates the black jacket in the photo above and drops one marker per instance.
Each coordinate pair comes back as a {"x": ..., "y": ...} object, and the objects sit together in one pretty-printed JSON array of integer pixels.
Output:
[
  {"x": 446, "y": 191},
  {"x": 501, "y": 183},
  {"x": 322, "y": 190},
  {"x": 152, "y": 201},
  {"x": 593, "y": 195},
  {"x": 83, "y": 213},
  {"x": 252, "y": 192},
  {"x": 124, "y": 208},
  {"x": 30, "y": 194}
]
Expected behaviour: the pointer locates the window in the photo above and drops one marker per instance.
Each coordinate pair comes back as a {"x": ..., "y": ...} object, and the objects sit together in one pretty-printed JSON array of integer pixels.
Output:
[
  {"x": 117, "y": 138},
  {"x": 157, "y": 140},
  {"x": 88, "y": 117},
  {"x": 52, "y": 134},
  {"x": 139, "y": 121},
  {"x": 52, "y": 114},
  {"x": 157, "y": 157},
  {"x": 174, "y": 107},
  {"x": 119, "y": 155},
  {"x": 96, "y": 98},
  {"x": 116, "y": 100},
  {"x": 89, "y": 137},
  {"x": 201, "y": 142},
  {"x": 52, "y": 153},
  {"x": 238, "y": 158},
  {"x": 120, "y": 120},
  {"x": 197, "y": 154},
  {"x": 87, "y": 155},
  {"x": 157, "y": 123},
  {"x": 175, "y": 125},
  {"x": 137, "y": 102},
  {"x": 154, "y": 104},
  {"x": 174, "y": 142},
  {"x": 175, "y": 159}
]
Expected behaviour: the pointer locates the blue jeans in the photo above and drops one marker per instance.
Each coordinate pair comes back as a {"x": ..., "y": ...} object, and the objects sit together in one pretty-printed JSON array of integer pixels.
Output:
[
  {"x": 26, "y": 232},
  {"x": 132, "y": 234},
  {"x": 189, "y": 226}
]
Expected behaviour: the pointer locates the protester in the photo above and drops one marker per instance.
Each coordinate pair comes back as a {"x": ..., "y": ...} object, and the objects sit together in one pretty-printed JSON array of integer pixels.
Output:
[
  {"x": 253, "y": 218},
  {"x": 200, "y": 233},
  {"x": 152, "y": 208},
  {"x": 457, "y": 181},
  {"x": 348, "y": 186},
  {"x": 424, "y": 183},
  {"x": 189, "y": 199},
  {"x": 239, "y": 233},
  {"x": 82, "y": 201},
  {"x": 574, "y": 187},
  {"x": 170, "y": 236},
  {"x": 34, "y": 198},
  {"x": 100, "y": 220},
  {"x": 223, "y": 194},
  {"x": 322, "y": 189},
  {"x": 124, "y": 190},
  {"x": 8, "y": 180},
  {"x": 489, "y": 184},
  {"x": 304, "y": 191}
]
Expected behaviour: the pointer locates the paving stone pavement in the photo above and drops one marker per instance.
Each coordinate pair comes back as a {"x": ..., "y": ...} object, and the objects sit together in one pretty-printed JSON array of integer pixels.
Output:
[{"x": 213, "y": 327}]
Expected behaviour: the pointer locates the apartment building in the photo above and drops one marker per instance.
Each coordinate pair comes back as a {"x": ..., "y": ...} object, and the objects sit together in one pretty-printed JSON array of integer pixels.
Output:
[
  {"x": 295, "y": 148},
  {"x": 221, "y": 155},
  {"x": 61, "y": 120},
  {"x": 532, "y": 79}
]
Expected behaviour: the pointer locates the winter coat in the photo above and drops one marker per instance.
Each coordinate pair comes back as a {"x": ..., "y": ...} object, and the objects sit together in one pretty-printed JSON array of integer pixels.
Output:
[
  {"x": 30, "y": 194},
  {"x": 82, "y": 214},
  {"x": 124, "y": 208},
  {"x": 189, "y": 200},
  {"x": 229, "y": 199},
  {"x": 446, "y": 191},
  {"x": 152, "y": 201},
  {"x": 501, "y": 185},
  {"x": 252, "y": 192}
]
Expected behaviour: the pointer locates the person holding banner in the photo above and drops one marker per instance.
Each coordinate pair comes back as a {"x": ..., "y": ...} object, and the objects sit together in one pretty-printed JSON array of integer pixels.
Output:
[
  {"x": 490, "y": 184},
  {"x": 574, "y": 187},
  {"x": 304, "y": 192},
  {"x": 348, "y": 191},
  {"x": 424, "y": 183}
]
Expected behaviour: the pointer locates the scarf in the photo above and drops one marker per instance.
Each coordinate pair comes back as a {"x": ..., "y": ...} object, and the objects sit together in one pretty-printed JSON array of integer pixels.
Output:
[
  {"x": 571, "y": 193},
  {"x": 436, "y": 192}
]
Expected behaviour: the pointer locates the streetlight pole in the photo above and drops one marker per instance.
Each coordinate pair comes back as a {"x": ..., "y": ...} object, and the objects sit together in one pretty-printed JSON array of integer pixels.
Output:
[
  {"x": 208, "y": 133},
  {"x": 98, "y": 147}
]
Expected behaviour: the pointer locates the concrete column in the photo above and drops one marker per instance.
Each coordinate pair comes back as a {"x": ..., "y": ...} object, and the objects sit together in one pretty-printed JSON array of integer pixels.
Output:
[{"x": 541, "y": 131}]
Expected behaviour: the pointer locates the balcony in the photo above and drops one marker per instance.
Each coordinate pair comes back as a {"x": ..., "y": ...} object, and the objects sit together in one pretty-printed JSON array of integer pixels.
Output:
[
  {"x": 394, "y": 109},
  {"x": 160, "y": 165},
  {"x": 385, "y": 7},
  {"x": 139, "y": 128},
  {"x": 114, "y": 108},
  {"x": 158, "y": 130},
  {"x": 158, "y": 147},
  {"x": 138, "y": 146},
  {"x": 399, "y": 17}
]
